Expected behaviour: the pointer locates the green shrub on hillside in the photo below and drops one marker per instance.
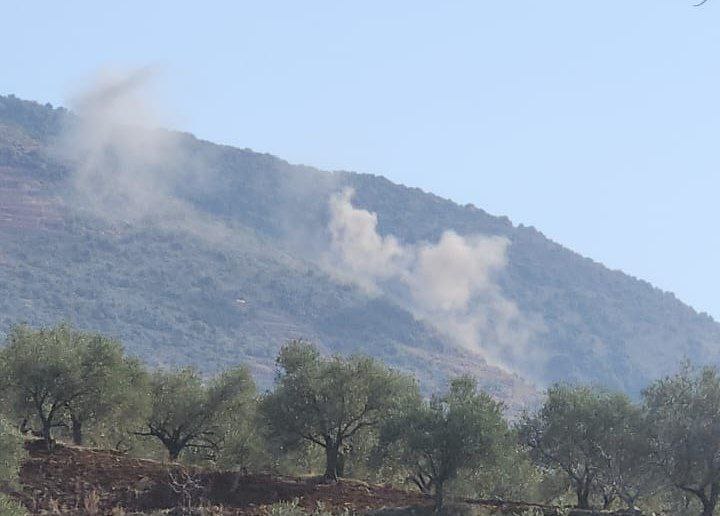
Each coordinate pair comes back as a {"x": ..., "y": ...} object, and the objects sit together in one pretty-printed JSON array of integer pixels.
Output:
[
  {"x": 9, "y": 507},
  {"x": 293, "y": 508},
  {"x": 12, "y": 452}
]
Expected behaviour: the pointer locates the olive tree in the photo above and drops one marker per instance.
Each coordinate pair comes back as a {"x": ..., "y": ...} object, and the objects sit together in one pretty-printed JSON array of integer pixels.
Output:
[
  {"x": 113, "y": 386},
  {"x": 573, "y": 431},
  {"x": 626, "y": 470},
  {"x": 328, "y": 401},
  {"x": 242, "y": 445},
  {"x": 510, "y": 475},
  {"x": 684, "y": 414},
  {"x": 65, "y": 377},
  {"x": 112, "y": 425},
  {"x": 460, "y": 430},
  {"x": 42, "y": 371},
  {"x": 187, "y": 412}
]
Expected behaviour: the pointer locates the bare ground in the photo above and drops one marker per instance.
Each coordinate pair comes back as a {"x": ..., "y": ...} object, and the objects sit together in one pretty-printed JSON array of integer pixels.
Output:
[{"x": 80, "y": 481}]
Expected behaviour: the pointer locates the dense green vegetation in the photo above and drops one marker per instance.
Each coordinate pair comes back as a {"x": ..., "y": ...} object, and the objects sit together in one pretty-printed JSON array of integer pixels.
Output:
[
  {"x": 187, "y": 413},
  {"x": 591, "y": 436},
  {"x": 331, "y": 402},
  {"x": 684, "y": 412},
  {"x": 583, "y": 446},
  {"x": 175, "y": 299},
  {"x": 11, "y": 451},
  {"x": 451, "y": 433},
  {"x": 62, "y": 372},
  {"x": 12, "y": 454}
]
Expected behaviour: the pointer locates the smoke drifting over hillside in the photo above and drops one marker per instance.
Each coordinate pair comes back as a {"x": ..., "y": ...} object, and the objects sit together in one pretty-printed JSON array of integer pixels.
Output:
[
  {"x": 450, "y": 284},
  {"x": 117, "y": 157},
  {"x": 127, "y": 170},
  {"x": 359, "y": 252}
]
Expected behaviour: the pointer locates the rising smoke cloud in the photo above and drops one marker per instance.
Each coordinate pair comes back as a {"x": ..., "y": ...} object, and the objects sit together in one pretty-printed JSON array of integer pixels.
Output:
[
  {"x": 120, "y": 162},
  {"x": 359, "y": 252},
  {"x": 450, "y": 284},
  {"x": 126, "y": 169}
]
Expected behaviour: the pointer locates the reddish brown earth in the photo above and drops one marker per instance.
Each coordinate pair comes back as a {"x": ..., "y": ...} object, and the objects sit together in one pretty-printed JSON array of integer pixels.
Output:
[
  {"x": 72, "y": 477},
  {"x": 25, "y": 203},
  {"x": 83, "y": 481}
]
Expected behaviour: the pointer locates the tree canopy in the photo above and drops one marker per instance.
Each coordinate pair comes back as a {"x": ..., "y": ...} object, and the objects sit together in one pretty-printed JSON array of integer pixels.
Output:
[
  {"x": 187, "y": 412},
  {"x": 684, "y": 414},
  {"x": 61, "y": 377},
  {"x": 596, "y": 445},
  {"x": 439, "y": 438},
  {"x": 328, "y": 401},
  {"x": 579, "y": 430}
]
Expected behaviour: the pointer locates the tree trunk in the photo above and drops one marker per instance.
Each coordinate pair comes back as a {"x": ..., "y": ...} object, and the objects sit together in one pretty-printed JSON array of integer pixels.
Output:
[
  {"x": 331, "y": 460},
  {"x": 341, "y": 464},
  {"x": 77, "y": 435},
  {"x": 629, "y": 501},
  {"x": 583, "y": 495},
  {"x": 439, "y": 497},
  {"x": 47, "y": 434},
  {"x": 424, "y": 483},
  {"x": 709, "y": 502},
  {"x": 608, "y": 499},
  {"x": 174, "y": 450},
  {"x": 708, "y": 508}
]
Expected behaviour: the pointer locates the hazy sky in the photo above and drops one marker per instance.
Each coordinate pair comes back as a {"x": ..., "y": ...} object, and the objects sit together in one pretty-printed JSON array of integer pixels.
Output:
[{"x": 595, "y": 121}]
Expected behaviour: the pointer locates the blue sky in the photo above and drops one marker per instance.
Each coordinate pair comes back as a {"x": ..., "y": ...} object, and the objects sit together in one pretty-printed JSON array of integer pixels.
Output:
[{"x": 597, "y": 122}]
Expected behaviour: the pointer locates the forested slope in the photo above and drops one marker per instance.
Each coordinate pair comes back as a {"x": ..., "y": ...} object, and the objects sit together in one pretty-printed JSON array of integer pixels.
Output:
[{"x": 185, "y": 293}]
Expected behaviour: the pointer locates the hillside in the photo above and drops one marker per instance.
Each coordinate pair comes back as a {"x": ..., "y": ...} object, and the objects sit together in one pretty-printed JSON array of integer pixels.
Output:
[
  {"x": 76, "y": 480},
  {"x": 223, "y": 254},
  {"x": 73, "y": 478}
]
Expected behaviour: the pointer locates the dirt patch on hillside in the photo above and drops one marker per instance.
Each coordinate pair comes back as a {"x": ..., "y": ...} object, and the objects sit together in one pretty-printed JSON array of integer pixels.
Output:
[
  {"x": 26, "y": 203},
  {"x": 80, "y": 481},
  {"x": 71, "y": 478}
]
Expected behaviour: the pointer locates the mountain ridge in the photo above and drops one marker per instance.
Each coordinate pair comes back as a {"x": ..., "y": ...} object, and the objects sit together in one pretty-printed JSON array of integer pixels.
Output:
[{"x": 600, "y": 325}]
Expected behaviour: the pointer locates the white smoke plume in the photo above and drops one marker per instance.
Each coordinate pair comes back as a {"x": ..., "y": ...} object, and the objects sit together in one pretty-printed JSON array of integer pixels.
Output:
[
  {"x": 451, "y": 284},
  {"x": 117, "y": 155},
  {"x": 363, "y": 255},
  {"x": 126, "y": 169}
]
